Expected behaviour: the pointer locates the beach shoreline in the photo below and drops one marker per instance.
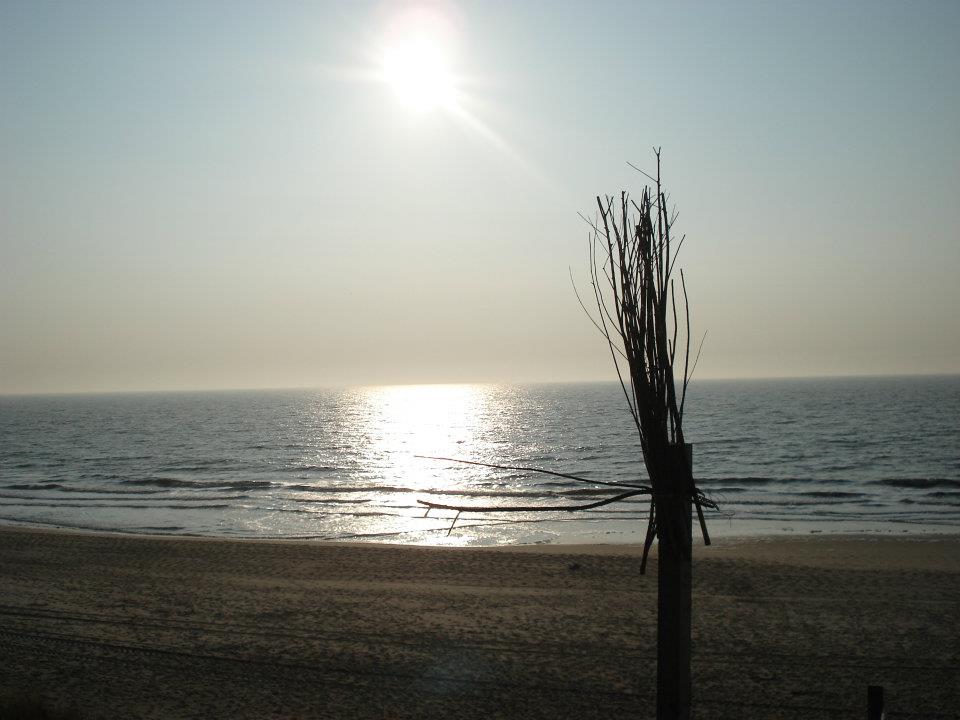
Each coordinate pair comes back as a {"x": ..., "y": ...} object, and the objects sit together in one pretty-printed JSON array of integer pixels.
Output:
[
  {"x": 178, "y": 627},
  {"x": 546, "y": 532}
]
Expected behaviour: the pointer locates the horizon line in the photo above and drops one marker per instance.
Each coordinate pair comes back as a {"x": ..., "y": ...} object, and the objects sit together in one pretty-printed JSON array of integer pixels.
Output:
[{"x": 344, "y": 386}]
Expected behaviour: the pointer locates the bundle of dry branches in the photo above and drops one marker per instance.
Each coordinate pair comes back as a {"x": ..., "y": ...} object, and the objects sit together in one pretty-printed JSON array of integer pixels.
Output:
[
  {"x": 632, "y": 262},
  {"x": 632, "y": 259}
]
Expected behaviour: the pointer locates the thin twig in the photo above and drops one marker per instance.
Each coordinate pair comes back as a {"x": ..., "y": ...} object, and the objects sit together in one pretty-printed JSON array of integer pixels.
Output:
[
  {"x": 536, "y": 470},
  {"x": 533, "y": 508}
]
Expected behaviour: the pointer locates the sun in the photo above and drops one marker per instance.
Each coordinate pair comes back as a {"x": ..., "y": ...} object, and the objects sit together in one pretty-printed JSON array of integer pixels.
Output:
[
  {"x": 419, "y": 74},
  {"x": 417, "y": 50}
]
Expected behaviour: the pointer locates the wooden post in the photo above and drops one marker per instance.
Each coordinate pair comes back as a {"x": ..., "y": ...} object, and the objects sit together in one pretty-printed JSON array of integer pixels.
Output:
[
  {"x": 875, "y": 702},
  {"x": 674, "y": 592}
]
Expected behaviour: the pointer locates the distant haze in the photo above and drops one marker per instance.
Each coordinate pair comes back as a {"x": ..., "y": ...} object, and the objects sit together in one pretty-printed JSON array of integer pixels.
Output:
[{"x": 226, "y": 195}]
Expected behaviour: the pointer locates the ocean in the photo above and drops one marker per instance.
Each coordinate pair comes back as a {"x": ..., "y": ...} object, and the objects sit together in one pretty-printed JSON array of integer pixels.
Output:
[{"x": 842, "y": 455}]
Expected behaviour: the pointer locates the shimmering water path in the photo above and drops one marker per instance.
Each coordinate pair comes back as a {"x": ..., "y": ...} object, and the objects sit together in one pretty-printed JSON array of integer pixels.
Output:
[{"x": 839, "y": 455}]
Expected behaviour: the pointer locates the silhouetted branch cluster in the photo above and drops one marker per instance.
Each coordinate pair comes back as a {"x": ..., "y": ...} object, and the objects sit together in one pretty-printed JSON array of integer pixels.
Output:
[{"x": 633, "y": 256}]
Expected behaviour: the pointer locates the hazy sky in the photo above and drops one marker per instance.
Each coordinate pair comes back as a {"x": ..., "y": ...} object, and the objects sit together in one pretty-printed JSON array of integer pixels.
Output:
[{"x": 208, "y": 194}]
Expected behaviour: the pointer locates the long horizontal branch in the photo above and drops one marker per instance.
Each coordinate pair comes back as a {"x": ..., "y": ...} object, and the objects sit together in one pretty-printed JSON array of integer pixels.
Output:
[
  {"x": 536, "y": 470},
  {"x": 533, "y": 508}
]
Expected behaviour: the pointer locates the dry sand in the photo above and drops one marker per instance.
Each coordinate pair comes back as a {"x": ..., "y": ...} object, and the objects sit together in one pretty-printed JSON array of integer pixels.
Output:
[{"x": 129, "y": 627}]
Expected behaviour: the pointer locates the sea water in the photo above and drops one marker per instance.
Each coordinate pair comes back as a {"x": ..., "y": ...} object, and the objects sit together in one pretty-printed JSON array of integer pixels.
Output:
[{"x": 876, "y": 455}]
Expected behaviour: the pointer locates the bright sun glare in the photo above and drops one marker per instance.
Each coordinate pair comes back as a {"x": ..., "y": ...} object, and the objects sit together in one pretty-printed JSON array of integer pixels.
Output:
[
  {"x": 418, "y": 55},
  {"x": 416, "y": 60},
  {"x": 419, "y": 75}
]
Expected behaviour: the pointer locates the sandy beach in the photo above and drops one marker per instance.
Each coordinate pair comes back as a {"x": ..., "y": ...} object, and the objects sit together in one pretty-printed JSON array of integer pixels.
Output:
[{"x": 156, "y": 627}]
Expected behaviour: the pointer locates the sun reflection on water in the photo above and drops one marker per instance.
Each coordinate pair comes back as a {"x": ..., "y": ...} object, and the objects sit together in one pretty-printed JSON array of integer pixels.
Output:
[{"x": 404, "y": 421}]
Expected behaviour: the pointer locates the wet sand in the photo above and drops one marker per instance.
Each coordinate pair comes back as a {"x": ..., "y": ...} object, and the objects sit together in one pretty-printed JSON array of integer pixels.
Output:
[{"x": 129, "y": 627}]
